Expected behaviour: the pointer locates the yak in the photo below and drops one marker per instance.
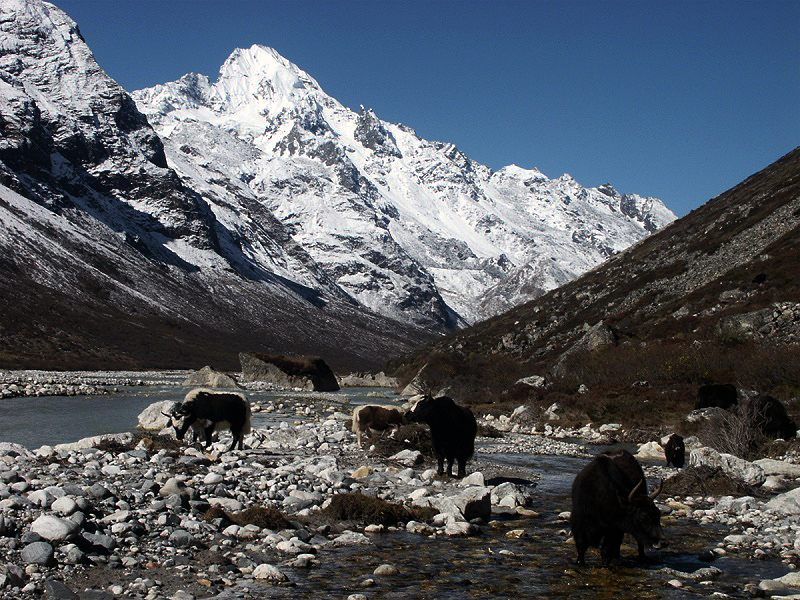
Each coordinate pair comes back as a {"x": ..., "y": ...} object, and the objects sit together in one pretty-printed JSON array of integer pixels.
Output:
[
  {"x": 771, "y": 418},
  {"x": 453, "y": 430},
  {"x": 370, "y": 417},
  {"x": 675, "y": 451},
  {"x": 216, "y": 410},
  {"x": 610, "y": 499},
  {"x": 719, "y": 395}
]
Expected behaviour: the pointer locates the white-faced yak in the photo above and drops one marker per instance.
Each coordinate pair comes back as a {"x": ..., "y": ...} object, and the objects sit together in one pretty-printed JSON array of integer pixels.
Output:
[{"x": 217, "y": 410}]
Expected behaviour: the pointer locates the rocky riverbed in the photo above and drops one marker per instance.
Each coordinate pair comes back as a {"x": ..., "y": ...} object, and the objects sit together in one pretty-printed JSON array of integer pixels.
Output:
[
  {"x": 142, "y": 516},
  {"x": 36, "y": 383}
]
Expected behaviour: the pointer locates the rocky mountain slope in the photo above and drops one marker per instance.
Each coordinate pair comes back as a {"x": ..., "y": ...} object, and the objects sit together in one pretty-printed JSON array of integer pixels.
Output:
[
  {"x": 724, "y": 274},
  {"x": 107, "y": 259},
  {"x": 410, "y": 228},
  {"x": 259, "y": 215}
]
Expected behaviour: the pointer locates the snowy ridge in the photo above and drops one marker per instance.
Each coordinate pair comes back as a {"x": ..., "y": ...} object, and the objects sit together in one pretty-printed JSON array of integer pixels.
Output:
[
  {"x": 408, "y": 227},
  {"x": 258, "y": 210}
]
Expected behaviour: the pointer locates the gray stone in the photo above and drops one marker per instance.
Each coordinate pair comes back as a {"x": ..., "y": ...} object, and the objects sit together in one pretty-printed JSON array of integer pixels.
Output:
[
  {"x": 38, "y": 553},
  {"x": 59, "y": 591},
  {"x": 64, "y": 506},
  {"x": 11, "y": 576},
  {"x": 210, "y": 377},
  {"x": 304, "y": 372},
  {"x": 182, "y": 538},
  {"x": 785, "y": 504},
  {"x": 100, "y": 541},
  {"x": 54, "y": 529}
]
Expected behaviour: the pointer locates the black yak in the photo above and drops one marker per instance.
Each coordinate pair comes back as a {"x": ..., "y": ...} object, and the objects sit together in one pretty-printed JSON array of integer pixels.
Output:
[
  {"x": 609, "y": 499},
  {"x": 719, "y": 395},
  {"x": 453, "y": 430},
  {"x": 675, "y": 451}
]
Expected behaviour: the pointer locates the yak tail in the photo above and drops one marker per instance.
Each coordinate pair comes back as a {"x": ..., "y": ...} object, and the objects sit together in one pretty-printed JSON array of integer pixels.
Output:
[
  {"x": 247, "y": 427},
  {"x": 354, "y": 426}
]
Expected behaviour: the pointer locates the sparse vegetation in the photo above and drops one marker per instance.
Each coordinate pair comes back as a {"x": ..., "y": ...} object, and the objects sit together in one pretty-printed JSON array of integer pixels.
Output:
[{"x": 368, "y": 510}]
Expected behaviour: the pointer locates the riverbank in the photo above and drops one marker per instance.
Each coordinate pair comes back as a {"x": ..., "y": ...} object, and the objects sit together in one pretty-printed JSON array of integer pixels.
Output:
[
  {"x": 35, "y": 383},
  {"x": 145, "y": 517}
]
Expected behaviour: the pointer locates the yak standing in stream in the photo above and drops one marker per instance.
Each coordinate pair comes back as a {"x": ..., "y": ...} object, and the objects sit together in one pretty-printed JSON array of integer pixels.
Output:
[
  {"x": 453, "y": 430},
  {"x": 610, "y": 499}
]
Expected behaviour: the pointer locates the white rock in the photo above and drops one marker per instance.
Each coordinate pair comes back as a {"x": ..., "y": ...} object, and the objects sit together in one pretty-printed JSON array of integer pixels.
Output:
[
  {"x": 226, "y": 504},
  {"x": 732, "y": 466},
  {"x": 269, "y": 572},
  {"x": 213, "y": 478},
  {"x": 64, "y": 505},
  {"x": 651, "y": 451},
  {"x": 351, "y": 538},
  {"x": 54, "y": 529},
  {"x": 778, "y": 467},
  {"x": 151, "y": 418},
  {"x": 472, "y": 479},
  {"x": 409, "y": 458},
  {"x": 786, "y": 504}
]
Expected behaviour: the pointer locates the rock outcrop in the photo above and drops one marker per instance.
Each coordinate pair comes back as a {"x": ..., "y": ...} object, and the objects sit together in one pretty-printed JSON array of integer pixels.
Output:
[{"x": 304, "y": 372}]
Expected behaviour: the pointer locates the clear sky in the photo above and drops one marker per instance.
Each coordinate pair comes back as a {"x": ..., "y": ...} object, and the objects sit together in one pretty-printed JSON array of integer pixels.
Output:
[{"x": 678, "y": 99}]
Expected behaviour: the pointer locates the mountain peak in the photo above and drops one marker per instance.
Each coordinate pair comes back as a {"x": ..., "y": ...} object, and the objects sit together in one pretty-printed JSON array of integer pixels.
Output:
[{"x": 260, "y": 73}]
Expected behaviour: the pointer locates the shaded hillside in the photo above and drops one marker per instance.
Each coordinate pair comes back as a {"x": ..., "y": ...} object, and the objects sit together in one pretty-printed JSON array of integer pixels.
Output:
[{"x": 711, "y": 297}]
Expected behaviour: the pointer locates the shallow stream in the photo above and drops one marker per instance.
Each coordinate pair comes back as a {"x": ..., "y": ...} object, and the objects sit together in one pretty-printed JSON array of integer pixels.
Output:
[{"x": 539, "y": 563}]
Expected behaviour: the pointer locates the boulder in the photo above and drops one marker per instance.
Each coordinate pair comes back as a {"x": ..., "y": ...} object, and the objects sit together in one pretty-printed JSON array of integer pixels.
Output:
[
  {"x": 38, "y": 553},
  {"x": 305, "y": 372},
  {"x": 209, "y": 377},
  {"x": 778, "y": 467},
  {"x": 732, "y": 466},
  {"x": 534, "y": 381},
  {"x": 94, "y": 442},
  {"x": 651, "y": 451},
  {"x": 368, "y": 380},
  {"x": 152, "y": 419},
  {"x": 785, "y": 504},
  {"x": 54, "y": 529},
  {"x": 269, "y": 573}
]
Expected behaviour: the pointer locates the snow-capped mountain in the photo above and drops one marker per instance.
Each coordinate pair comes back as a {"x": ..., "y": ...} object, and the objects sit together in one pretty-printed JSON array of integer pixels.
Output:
[
  {"x": 410, "y": 228},
  {"x": 108, "y": 259},
  {"x": 255, "y": 213}
]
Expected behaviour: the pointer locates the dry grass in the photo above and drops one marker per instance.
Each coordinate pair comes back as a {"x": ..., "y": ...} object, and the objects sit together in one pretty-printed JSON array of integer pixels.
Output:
[{"x": 367, "y": 510}]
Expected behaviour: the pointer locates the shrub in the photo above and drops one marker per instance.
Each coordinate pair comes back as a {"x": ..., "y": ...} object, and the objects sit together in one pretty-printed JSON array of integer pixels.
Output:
[
  {"x": 736, "y": 431},
  {"x": 266, "y": 517},
  {"x": 365, "y": 509}
]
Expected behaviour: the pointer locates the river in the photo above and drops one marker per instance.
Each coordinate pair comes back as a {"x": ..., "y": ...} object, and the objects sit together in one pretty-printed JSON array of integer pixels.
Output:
[{"x": 498, "y": 563}]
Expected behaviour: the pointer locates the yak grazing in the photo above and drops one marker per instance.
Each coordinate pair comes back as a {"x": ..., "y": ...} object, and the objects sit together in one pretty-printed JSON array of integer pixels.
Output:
[
  {"x": 372, "y": 418},
  {"x": 217, "y": 410},
  {"x": 610, "y": 499}
]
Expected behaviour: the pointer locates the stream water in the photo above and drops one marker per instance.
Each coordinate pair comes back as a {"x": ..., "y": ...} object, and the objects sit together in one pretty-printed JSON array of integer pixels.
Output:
[{"x": 540, "y": 563}]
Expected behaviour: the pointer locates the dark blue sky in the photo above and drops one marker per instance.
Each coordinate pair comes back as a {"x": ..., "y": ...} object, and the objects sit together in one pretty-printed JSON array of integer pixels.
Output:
[{"x": 670, "y": 98}]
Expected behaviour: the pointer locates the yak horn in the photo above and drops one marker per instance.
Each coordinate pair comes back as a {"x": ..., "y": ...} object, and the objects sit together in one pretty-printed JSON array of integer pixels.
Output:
[
  {"x": 634, "y": 490},
  {"x": 655, "y": 494}
]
